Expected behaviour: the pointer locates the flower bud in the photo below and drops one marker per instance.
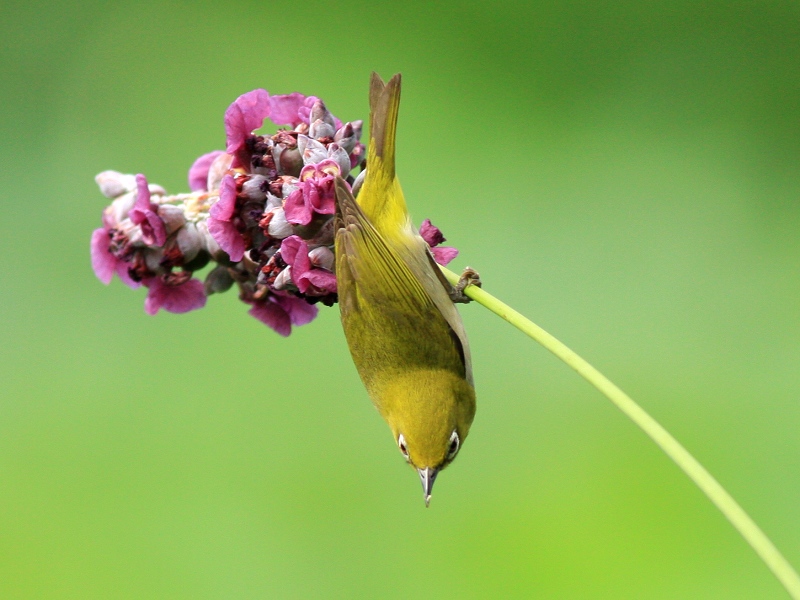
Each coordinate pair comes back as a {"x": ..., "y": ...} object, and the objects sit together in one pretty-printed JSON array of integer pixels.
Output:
[
  {"x": 287, "y": 159},
  {"x": 209, "y": 242},
  {"x": 279, "y": 227},
  {"x": 119, "y": 208},
  {"x": 272, "y": 202},
  {"x": 357, "y": 156},
  {"x": 253, "y": 188},
  {"x": 322, "y": 257},
  {"x": 218, "y": 169},
  {"x": 320, "y": 129},
  {"x": 284, "y": 279},
  {"x": 345, "y": 137},
  {"x": 311, "y": 150},
  {"x": 288, "y": 185},
  {"x": 156, "y": 189},
  {"x": 218, "y": 280},
  {"x": 338, "y": 154},
  {"x": 113, "y": 183},
  {"x": 172, "y": 216},
  {"x": 320, "y": 112},
  {"x": 190, "y": 242},
  {"x": 359, "y": 182}
]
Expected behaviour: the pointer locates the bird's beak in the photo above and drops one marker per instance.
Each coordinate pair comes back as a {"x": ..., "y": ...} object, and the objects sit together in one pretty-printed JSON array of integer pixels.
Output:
[{"x": 427, "y": 476}]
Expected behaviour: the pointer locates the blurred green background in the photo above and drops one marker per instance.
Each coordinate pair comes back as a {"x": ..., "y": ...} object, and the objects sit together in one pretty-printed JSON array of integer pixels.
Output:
[{"x": 626, "y": 174}]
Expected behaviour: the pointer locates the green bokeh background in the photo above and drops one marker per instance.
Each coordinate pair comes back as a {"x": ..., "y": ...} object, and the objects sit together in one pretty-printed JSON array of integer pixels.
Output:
[{"x": 626, "y": 174}]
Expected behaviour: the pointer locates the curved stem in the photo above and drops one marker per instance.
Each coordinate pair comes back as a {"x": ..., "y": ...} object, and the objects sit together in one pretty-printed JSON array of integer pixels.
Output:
[{"x": 680, "y": 456}]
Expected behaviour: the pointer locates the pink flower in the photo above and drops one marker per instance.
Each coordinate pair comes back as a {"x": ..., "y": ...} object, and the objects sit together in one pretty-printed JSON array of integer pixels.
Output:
[
  {"x": 308, "y": 279},
  {"x": 175, "y": 293},
  {"x": 280, "y": 312},
  {"x": 220, "y": 224},
  {"x": 198, "y": 173},
  {"x": 285, "y": 109},
  {"x": 314, "y": 194},
  {"x": 444, "y": 255},
  {"x": 293, "y": 109},
  {"x": 245, "y": 115},
  {"x": 433, "y": 236},
  {"x": 106, "y": 264},
  {"x": 144, "y": 214}
]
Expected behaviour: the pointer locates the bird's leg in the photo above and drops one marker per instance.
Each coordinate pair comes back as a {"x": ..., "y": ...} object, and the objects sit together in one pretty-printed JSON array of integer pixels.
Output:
[{"x": 468, "y": 277}]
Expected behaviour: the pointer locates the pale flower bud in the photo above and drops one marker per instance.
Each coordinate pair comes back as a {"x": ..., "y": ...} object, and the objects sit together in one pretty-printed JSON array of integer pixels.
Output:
[
  {"x": 359, "y": 182},
  {"x": 172, "y": 216},
  {"x": 279, "y": 228},
  {"x": 342, "y": 158},
  {"x": 311, "y": 150},
  {"x": 319, "y": 112},
  {"x": 113, "y": 183},
  {"x": 190, "y": 242},
  {"x": 284, "y": 279},
  {"x": 254, "y": 187},
  {"x": 218, "y": 169},
  {"x": 208, "y": 240},
  {"x": 320, "y": 129},
  {"x": 118, "y": 210},
  {"x": 321, "y": 257}
]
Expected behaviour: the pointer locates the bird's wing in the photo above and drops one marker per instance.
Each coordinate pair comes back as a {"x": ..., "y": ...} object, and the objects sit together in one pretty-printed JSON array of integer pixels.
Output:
[
  {"x": 377, "y": 283},
  {"x": 438, "y": 288},
  {"x": 383, "y": 207}
]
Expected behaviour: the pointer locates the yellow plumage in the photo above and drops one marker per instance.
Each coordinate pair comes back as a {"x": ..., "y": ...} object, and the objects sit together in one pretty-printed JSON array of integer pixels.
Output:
[{"x": 403, "y": 330}]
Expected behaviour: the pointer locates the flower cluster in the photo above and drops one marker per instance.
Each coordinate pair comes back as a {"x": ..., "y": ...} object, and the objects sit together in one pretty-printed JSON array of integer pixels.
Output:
[{"x": 259, "y": 215}]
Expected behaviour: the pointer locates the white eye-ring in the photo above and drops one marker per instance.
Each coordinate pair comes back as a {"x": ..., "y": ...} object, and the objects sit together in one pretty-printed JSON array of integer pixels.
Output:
[
  {"x": 455, "y": 444},
  {"x": 401, "y": 443}
]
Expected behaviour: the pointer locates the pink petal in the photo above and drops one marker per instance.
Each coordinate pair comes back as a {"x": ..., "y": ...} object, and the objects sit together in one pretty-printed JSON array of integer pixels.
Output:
[
  {"x": 244, "y": 115},
  {"x": 444, "y": 254},
  {"x": 294, "y": 252},
  {"x": 223, "y": 209},
  {"x": 300, "y": 311},
  {"x": 290, "y": 246},
  {"x": 272, "y": 315},
  {"x": 430, "y": 233},
  {"x": 284, "y": 109},
  {"x": 142, "y": 193},
  {"x": 124, "y": 274},
  {"x": 174, "y": 298},
  {"x": 324, "y": 281},
  {"x": 153, "y": 231},
  {"x": 142, "y": 214},
  {"x": 103, "y": 262},
  {"x": 304, "y": 112},
  {"x": 321, "y": 195},
  {"x": 296, "y": 210},
  {"x": 228, "y": 238},
  {"x": 198, "y": 173}
]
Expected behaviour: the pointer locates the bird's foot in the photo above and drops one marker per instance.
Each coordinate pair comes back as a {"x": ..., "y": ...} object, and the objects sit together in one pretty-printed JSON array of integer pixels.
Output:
[{"x": 468, "y": 277}]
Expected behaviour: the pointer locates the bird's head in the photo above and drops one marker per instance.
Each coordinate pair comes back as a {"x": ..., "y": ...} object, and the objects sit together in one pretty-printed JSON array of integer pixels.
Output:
[{"x": 430, "y": 413}]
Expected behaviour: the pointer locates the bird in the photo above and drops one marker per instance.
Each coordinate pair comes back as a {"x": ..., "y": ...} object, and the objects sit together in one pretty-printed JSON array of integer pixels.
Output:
[{"x": 402, "y": 327}]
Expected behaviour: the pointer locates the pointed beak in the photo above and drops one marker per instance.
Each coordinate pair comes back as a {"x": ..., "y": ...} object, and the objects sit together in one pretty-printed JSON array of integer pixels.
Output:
[{"x": 427, "y": 476}]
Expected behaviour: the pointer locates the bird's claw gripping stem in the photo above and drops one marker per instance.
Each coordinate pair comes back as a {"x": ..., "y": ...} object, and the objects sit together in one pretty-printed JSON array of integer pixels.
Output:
[{"x": 468, "y": 277}]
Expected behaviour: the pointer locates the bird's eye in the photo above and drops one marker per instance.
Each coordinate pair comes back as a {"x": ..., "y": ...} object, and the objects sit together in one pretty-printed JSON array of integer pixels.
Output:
[
  {"x": 401, "y": 443},
  {"x": 455, "y": 443}
]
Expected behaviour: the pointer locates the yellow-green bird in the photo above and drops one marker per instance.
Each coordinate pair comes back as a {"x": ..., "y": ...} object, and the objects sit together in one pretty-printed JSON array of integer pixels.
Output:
[{"x": 404, "y": 332}]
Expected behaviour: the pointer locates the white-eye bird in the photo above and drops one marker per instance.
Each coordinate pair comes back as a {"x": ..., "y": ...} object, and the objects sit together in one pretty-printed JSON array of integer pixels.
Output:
[{"x": 404, "y": 332}]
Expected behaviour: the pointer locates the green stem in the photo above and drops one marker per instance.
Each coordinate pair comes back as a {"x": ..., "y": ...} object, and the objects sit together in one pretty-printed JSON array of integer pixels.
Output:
[{"x": 703, "y": 479}]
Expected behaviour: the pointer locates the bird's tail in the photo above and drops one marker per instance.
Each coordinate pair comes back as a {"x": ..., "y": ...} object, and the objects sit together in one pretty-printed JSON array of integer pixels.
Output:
[
  {"x": 381, "y": 198},
  {"x": 384, "y": 102}
]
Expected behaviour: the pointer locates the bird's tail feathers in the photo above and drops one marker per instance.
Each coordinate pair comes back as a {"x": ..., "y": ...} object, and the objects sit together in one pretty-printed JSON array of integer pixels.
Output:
[{"x": 384, "y": 101}]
